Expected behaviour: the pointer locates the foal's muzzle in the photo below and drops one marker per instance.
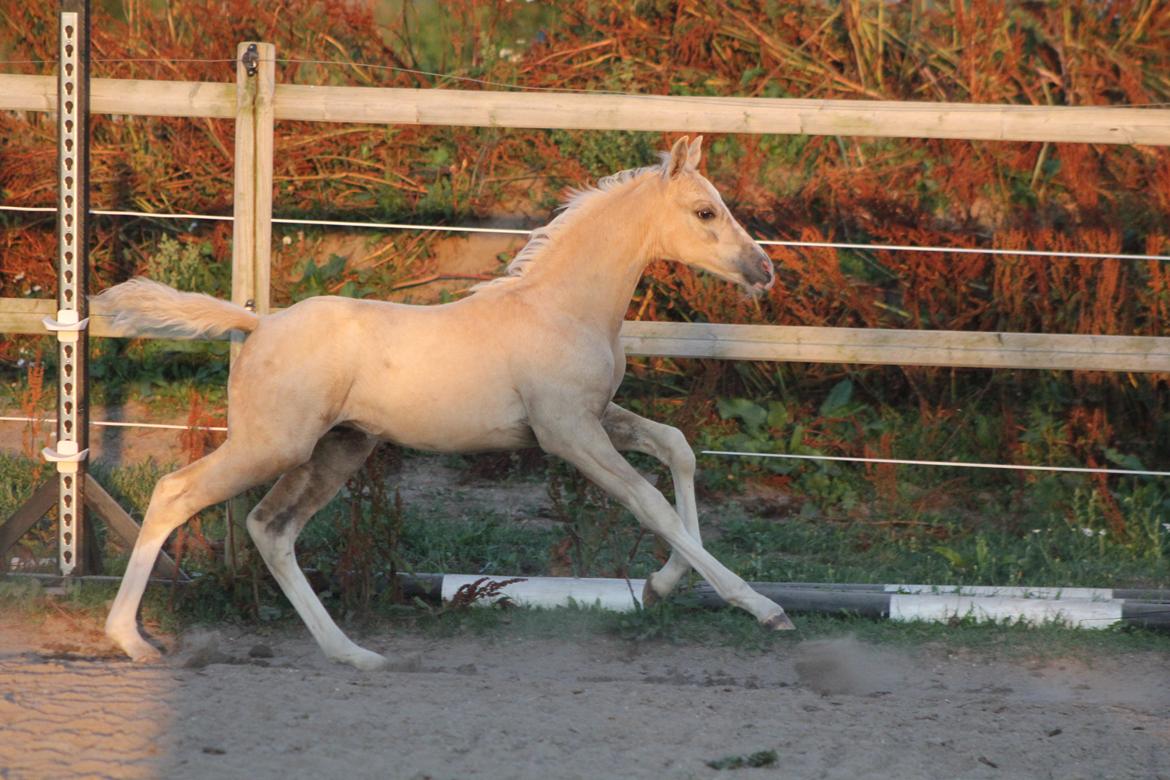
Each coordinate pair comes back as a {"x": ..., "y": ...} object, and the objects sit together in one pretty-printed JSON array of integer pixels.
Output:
[{"x": 756, "y": 268}]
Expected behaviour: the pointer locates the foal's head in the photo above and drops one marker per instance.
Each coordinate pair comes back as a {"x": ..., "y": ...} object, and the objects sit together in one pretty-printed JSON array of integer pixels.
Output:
[{"x": 697, "y": 229}]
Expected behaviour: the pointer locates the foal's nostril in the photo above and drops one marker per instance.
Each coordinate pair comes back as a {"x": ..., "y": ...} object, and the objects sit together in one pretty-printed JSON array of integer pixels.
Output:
[{"x": 756, "y": 268}]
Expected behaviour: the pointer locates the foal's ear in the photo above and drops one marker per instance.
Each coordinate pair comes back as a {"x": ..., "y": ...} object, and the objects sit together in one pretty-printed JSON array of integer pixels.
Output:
[
  {"x": 695, "y": 152},
  {"x": 678, "y": 159}
]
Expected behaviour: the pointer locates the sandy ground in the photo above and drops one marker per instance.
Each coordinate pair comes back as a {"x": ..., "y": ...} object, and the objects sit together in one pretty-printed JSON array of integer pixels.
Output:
[
  {"x": 230, "y": 704},
  {"x": 267, "y": 705}
]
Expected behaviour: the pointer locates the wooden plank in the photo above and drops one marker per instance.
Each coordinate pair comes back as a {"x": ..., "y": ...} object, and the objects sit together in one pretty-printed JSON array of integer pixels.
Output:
[
  {"x": 28, "y": 93},
  {"x": 874, "y": 118},
  {"x": 24, "y": 315},
  {"x": 896, "y": 119},
  {"x": 163, "y": 98},
  {"x": 132, "y": 97},
  {"x": 970, "y": 349},
  {"x": 898, "y": 347},
  {"x": 26, "y": 516}
]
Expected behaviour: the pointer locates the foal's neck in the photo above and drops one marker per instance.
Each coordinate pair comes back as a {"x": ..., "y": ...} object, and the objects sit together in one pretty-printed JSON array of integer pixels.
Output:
[{"x": 594, "y": 266}]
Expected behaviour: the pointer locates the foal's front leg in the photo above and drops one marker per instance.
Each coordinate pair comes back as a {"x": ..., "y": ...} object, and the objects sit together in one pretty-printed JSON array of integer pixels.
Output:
[
  {"x": 632, "y": 432},
  {"x": 582, "y": 441}
]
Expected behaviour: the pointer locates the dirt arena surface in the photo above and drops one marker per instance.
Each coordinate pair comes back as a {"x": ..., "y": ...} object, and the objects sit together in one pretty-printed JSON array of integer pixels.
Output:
[
  {"x": 264, "y": 703},
  {"x": 241, "y": 704}
]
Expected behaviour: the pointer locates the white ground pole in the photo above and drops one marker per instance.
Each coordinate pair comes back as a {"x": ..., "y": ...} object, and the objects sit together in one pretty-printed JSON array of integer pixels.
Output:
[
  {"x": 1088, "y": 608},
  {"x": 610, "y": 594},
  {"x": 941, "y": 608},
  {"x": 1013, "y": 591}
]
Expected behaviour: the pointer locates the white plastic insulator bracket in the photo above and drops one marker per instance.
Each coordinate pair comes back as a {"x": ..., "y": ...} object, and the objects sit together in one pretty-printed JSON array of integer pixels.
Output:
[
  {"x": 66, "y": 325},
  {"x": 65, "y": 455}
]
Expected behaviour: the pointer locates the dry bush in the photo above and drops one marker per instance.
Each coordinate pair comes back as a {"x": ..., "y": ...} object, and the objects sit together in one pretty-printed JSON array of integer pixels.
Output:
[{"x": 939, "y": 192}]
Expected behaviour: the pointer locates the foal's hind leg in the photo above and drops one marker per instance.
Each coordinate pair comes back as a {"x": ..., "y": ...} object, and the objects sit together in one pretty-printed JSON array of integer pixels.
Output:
[
  {"x": 278, "y": 519},
  {"x": 631, "y": 432},
  {"x": 224, "y": 473}
]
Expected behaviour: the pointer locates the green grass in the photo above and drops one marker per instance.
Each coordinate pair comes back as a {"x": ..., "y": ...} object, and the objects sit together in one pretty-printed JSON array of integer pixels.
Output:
[
  {"x": 964, "y": 548},
  {"x": 972, "y": 554},
  {"x": 670, "y": 622},
  {"x": 595, "y": 539}
]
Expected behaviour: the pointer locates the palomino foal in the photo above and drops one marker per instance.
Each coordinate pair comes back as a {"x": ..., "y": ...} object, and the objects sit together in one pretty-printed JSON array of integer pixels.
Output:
[{"x": 531, "y": 358}]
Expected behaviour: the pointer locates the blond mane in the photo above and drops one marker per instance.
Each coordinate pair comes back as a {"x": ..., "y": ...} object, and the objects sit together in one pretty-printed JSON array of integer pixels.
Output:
[{"x": 542, "y": 237}]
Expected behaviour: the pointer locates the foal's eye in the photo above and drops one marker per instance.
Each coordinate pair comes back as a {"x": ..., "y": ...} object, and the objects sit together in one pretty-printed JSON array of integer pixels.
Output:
[{"x": 705, "y": 214}]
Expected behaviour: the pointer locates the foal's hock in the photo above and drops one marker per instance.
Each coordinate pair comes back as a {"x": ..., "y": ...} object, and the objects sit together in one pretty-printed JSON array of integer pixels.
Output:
[{"x": 531, "y": 358}]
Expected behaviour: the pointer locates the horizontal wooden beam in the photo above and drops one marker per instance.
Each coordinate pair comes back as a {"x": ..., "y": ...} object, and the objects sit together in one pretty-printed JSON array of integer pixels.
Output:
[
  {"x": 561, "y": 110},
  {"x": 132, "y": 97},
  {"x": 790, "y": 343},
  {"x": 960, "y": 349},
  {"x": 570, "y": 110},
  {"x": 25, "y": 315}
]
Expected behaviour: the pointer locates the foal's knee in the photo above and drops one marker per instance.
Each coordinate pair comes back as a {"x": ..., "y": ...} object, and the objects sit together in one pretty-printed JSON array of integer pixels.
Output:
[
  {"x": 681, "y": 456},
  {"x": 169, "y": 489},
  {"x": 168, "y": 508}
]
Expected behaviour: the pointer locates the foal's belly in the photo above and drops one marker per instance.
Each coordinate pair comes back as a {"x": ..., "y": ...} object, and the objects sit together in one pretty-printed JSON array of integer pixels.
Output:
[
  {"x": 449, "y": 378},
  {"x": 450, "y": 436},
  {"x": 459, "y": 414}
]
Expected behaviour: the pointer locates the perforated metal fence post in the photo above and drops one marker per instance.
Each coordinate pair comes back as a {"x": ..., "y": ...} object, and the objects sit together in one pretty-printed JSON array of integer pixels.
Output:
[{"x": 72, "y": 446}]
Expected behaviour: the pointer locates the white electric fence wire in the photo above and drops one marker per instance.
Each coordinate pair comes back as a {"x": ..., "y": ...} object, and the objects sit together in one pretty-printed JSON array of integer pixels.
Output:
[
  {"x": 963, "y": 250},
  {"x": 895, "y": 461},
  {"x": 955, "y": 464},
  {"x": 520, "y": 232},
  {"x": 525, "y": 232},
  {"x": 119, "y": 213},
  {"x": 117, "y": 424},
  {"x": 400, "y": 226}
]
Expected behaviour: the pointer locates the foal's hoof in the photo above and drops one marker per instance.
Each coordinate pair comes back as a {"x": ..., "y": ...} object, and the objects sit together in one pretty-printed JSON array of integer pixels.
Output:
[
  {"x": 778, "y": 622},
  {"x": 365, "y": 660},
  {"x": 139, "y": 650}
]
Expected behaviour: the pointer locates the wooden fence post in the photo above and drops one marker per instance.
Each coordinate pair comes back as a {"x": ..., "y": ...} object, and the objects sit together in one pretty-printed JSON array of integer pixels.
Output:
[
  {"x": 244, "y": 180},
  {"x": 263, "y": 127},
  {"x": 252, "y": 206}
]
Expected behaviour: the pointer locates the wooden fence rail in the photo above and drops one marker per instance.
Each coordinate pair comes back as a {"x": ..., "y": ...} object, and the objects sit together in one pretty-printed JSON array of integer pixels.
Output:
[
  {"x": 875, "y": 346},
  {"x": 578, "y": 111},
  {"x": 256, "y": 102}
]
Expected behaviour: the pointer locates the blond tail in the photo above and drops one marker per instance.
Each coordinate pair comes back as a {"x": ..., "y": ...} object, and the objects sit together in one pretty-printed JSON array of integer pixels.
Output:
[{"x": 143, "y": 307}]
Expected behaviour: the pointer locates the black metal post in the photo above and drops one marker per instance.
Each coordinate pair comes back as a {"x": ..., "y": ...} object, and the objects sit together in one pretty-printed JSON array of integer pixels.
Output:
[{"x": 74, "y": 490}]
